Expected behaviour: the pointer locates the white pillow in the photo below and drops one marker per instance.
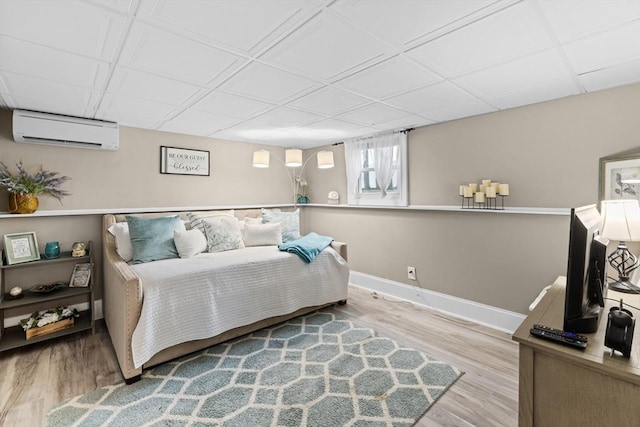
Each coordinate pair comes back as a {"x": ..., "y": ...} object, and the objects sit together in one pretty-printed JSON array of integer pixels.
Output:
[
  {"x": 262, "y": 234},
  {"x": 120, "y": 231},
  {"x": 189, "y": 242},
  {"x": 243, "y": 222}
]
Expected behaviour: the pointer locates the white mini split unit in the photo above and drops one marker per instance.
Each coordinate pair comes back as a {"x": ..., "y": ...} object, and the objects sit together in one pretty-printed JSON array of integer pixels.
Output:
[{"x": 64, "y": 131}]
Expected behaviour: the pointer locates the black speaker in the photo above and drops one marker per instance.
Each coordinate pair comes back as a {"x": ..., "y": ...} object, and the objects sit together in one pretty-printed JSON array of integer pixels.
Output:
[{"x": 620, "y": 327}]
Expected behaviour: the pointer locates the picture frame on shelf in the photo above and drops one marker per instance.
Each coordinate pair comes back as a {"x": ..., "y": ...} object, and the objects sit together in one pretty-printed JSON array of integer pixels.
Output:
[
  {"x": 81, "y": 275},
  {"x": 620, "y": 177},
  {"x": 21, "y": 247},
  {"x": 184, "y": 161}
]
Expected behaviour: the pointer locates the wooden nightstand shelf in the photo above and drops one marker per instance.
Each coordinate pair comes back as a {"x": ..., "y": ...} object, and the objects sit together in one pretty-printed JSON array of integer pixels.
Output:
[{"x": 14, "y": 337}]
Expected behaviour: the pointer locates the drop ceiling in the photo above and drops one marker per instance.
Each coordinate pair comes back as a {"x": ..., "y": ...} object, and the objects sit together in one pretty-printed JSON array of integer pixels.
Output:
[{"x": 305, "y": 73}]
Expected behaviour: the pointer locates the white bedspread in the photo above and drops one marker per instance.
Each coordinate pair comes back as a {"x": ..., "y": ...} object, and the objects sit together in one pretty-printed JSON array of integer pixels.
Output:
[{"x": 201, "y": 297}]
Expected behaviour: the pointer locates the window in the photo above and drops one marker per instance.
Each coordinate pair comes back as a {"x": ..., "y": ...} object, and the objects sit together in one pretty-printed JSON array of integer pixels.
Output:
[{"x": 377, "y": 170}]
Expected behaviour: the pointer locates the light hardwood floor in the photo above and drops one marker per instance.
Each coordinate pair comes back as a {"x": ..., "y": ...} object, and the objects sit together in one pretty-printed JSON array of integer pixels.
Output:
[{"x": 33, "y": 379}]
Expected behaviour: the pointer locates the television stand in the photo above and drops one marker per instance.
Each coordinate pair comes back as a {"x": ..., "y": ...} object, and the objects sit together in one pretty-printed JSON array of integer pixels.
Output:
[{"x": 563, "y": 386}]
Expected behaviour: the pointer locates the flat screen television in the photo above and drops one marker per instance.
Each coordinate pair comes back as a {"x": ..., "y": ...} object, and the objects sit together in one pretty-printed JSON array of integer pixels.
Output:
[{"x": 586, "y": 271}]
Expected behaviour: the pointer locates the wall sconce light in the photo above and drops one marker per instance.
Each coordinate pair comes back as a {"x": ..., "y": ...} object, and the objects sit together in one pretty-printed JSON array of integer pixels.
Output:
[
  {"x": 621, "y": 222},
  {"x": 293, "y": 159}
]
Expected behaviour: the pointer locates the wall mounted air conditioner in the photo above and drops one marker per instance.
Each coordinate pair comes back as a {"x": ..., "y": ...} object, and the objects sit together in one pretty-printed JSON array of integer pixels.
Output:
[{"x": 64, "y": 131}]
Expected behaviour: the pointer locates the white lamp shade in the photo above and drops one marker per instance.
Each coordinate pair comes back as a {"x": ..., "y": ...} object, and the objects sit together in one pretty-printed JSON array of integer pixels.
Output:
[
  {"x": 325, "y": 159},
  {"x": 620, "y": 220},
  {"x": 293, "y": 157},
  {"x": 261, "y": 159}
]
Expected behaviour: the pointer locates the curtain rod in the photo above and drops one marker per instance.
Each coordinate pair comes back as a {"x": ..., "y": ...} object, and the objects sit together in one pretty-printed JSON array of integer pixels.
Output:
[{"x": 372, "y": 136}]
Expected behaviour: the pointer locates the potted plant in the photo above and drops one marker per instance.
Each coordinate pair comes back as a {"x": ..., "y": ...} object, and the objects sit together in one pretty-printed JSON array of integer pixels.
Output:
[
  {"x": 303, "y": 195},
  {"x": 24, "y": 187}
]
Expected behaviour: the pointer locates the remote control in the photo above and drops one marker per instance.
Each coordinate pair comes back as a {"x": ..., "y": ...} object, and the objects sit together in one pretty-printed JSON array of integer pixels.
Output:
[{"x": 560, "y": 336}]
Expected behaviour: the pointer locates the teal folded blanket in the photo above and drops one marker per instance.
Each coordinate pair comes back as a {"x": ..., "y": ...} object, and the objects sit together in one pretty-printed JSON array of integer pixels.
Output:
[{"x": 307, "y": 247}]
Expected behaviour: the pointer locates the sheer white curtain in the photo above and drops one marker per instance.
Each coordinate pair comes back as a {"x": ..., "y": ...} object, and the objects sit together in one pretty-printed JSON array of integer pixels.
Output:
[
  {"x": 382, "y": 146},
  {"x": 383, "y": 163},
  {"x": 353, "y": 156}
]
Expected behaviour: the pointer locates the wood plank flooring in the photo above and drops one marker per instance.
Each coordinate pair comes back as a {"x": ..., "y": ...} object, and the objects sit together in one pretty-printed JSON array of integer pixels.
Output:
[{"x": 33, "y": 379}]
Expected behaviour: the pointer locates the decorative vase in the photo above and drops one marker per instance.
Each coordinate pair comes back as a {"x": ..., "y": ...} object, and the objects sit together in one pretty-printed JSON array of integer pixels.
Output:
[
  {"x": 303, "y": 200},
  {"x": 23, "y": 203},
  {"x": 52, "y": 250}
]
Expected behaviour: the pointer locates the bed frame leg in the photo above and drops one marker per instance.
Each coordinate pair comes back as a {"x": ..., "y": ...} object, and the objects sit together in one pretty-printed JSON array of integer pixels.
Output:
[
  {"x": 129, "y": 381},
  {"x": 342, "y": 302}
]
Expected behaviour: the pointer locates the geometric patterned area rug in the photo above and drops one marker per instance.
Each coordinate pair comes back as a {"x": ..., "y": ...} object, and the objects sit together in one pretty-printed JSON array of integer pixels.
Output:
[{"x": 315, "y": 370}]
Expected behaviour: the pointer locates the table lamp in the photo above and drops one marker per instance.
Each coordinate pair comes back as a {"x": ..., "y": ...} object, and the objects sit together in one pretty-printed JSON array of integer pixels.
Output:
[{"x": 621, "y": 222}]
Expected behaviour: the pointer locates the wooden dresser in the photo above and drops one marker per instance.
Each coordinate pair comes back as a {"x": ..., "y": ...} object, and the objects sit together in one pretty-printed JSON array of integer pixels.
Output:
[{"x": 562, "y": 386}]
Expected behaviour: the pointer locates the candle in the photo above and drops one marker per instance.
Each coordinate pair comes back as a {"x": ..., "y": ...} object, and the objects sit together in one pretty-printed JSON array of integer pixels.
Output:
[
  {"x": 483, "y": 188},
  {"x": 496, "y": 186},
  {"x": 462, "y": 187},
  {"x": 467, "y": 192},
  {"x": 479, "y": 197},
  {"x": 504, "y": 189},
  {"x": 474, "y": 187},
  {"x": 491, "y": 192},
  {"x": 486, "y": 182}
]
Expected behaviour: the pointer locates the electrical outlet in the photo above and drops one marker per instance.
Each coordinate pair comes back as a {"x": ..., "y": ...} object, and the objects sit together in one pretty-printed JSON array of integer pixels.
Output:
[{"x": 411, "y": 273}]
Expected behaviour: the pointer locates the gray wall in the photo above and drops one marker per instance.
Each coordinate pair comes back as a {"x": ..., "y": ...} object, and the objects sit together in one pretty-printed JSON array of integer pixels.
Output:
[{"x": 548, "y": 152}]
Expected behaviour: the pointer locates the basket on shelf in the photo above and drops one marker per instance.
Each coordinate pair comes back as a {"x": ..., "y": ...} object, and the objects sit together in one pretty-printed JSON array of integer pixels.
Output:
[{"x": 48, "y": 321}]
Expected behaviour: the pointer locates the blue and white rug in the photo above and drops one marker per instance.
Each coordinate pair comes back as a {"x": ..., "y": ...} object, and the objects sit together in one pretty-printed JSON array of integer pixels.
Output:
[{"x": 315, "y": 370}]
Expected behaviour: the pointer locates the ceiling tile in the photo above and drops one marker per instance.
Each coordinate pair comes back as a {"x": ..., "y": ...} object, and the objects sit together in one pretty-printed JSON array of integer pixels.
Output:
[
  {"x": 288, "y": 117},
  {"x": 231, "y": 105},
  {"x": 266, "y": 83},
  {"x": 372, "y": 114},
  {"x": 390, "y": 77},
  {"x": 218, "y": 21},
  {"x": 533, "y": 93},
  {"x": 539, "y": 67},
  {"x": 404, "y": 122},
  {"x": 161, "y": 52},
  {"x": 48, "y": 104},
  {"x": 129, "y": 111},
  {"x": 576, "y": 18},
  {"x": 197, "y": 123},
  {"x": 438, "y": 101},
  {"x": 617, "y": 75},
  {"x": 137, "y": 84},
  {"x": 19, "y": 85},
  {"x": 328, "y": 101},
  {"x": 54, "y": 65},
  {"x": 418, "y": 18},
  {"x": 596, "y": 52},
  {"x": 505, "y": 35},
  {"x": 59, "y": 24},
  {"x": 325, "y": 47}
]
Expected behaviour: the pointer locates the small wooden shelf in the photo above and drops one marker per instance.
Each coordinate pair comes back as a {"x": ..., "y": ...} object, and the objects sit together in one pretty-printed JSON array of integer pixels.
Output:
[{"x": 15, "y": 336}]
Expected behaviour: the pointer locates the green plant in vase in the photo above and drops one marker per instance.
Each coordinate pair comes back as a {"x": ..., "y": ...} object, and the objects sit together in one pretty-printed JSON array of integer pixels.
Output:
[{"x": 24, "y": 187}]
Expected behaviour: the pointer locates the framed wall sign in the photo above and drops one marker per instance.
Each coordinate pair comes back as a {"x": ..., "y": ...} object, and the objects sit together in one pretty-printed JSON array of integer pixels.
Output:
[
  {"x": 183, "y": 161},
  {"x": 21, "y": 247},
  {"x": 620, "y": 177}
]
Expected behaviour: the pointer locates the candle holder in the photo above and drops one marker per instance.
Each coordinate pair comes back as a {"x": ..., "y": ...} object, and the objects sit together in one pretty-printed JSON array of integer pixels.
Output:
[{"x": 484, "y": 196}]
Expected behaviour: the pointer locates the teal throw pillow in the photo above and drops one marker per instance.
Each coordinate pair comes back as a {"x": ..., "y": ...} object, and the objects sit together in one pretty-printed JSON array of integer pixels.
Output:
[
  {"x": 290, "y": 222},
  {"x": 152, "y": 239}
]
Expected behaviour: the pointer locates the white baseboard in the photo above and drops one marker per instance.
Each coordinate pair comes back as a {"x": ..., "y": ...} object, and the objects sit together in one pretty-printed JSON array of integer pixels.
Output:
[
  {"x": 14, "y": 321},
  {"x": 493, "y": 317}
]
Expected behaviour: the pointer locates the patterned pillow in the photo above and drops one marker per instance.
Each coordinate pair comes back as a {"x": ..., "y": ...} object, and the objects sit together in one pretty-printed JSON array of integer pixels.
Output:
[
  {"x": 290, "y": 222},
  {"x": 223, "y": 234},
  {"x": 196, "y": 218}
]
